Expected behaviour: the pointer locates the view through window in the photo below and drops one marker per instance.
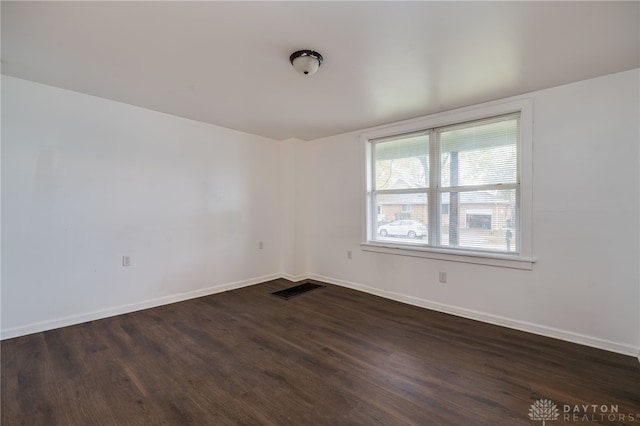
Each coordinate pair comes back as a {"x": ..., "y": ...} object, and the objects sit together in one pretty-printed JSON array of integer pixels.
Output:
[{"x": 454, "y": 187}]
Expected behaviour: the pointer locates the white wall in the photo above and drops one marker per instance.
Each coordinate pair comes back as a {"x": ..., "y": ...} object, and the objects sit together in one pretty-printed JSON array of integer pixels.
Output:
[
  {"x": 294, "y": 243},
  {"x": 585, "y": 286},
  {"x": 87, "y": 180}
]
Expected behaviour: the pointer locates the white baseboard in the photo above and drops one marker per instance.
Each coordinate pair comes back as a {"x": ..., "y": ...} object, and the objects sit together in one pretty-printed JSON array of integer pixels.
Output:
[
  {"x": 489, "y": 318},
  {"x": 294, "y": 278},
  {"x": 440, "y": 307},
  {"x": 127, "y": 308}
]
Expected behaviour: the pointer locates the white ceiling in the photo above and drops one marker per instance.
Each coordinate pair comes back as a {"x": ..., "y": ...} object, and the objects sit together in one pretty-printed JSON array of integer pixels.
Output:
[{"x": 227, "y": 63}]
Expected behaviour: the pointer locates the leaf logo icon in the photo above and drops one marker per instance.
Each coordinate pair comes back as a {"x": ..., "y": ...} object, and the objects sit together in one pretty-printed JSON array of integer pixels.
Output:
[{"x": 544, "y": 409}]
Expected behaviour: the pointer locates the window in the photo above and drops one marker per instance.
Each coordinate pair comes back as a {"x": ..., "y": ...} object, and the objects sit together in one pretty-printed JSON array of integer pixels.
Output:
[{"x": 454, "y": 187}]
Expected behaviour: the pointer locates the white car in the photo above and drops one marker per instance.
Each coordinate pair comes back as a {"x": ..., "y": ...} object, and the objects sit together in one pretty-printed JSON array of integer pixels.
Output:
[{"x": 404, "y": 228}]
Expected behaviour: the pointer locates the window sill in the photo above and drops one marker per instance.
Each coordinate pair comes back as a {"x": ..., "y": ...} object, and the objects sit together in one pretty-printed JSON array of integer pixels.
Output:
[{"x": 478, "y": 258}]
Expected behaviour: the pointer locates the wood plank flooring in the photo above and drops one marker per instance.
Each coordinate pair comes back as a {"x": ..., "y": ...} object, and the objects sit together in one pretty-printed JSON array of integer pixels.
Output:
[{"x": 333, "y": 356}]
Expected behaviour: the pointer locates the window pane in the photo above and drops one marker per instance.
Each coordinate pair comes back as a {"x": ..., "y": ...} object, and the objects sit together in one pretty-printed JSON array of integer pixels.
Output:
[
  {"x": 479, "y": 219},
  {"x": 480, "y": 153},
  {"x": 399, "y": 223},
  {"x": 402, "y": 163}
]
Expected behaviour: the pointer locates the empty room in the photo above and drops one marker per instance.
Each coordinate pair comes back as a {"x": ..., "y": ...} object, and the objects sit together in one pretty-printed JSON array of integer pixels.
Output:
[{"x": 320, "y": 213}]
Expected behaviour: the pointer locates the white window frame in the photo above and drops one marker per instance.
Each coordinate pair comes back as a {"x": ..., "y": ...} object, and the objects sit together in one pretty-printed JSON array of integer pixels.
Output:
[{"x": 524, "y": 258}]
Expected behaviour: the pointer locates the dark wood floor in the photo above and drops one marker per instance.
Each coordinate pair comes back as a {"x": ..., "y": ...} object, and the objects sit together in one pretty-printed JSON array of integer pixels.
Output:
[{"x": 333, "y": 356}]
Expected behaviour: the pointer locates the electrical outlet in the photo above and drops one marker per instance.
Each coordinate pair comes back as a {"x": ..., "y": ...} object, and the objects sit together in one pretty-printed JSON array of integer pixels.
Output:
[
  {"x": 260, "y": 245},
  {"x": 126, "y": 261},
  {"x": 443, "y": 277},
  {"x": 348, "y": 254}
]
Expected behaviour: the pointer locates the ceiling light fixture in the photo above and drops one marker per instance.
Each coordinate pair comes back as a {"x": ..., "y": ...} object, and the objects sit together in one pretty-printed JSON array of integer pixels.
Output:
[{"x": 306, "y": 62}]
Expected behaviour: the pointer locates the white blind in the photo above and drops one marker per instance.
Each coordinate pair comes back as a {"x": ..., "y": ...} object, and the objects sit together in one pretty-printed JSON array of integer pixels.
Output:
[
  {"x": 402, "y": 162},
  {"x": 483, "y": 152}
]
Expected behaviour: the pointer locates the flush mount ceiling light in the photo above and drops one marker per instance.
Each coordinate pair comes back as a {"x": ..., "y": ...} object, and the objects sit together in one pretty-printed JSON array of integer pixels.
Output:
[{"x": 306, "y": 62}]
